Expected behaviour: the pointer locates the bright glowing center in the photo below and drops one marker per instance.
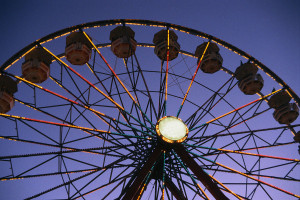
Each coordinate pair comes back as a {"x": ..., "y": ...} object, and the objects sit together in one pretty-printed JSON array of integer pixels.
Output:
[{"x": 171, "y": 129}]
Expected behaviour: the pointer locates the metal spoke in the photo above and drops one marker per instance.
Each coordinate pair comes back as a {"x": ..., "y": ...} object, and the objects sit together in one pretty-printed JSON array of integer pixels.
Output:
[{"x": 93, "y": 128}]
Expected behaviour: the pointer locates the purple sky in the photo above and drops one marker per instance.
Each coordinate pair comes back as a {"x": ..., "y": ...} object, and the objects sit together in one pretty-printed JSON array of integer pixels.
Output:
[{"x": 268, "y": 30}]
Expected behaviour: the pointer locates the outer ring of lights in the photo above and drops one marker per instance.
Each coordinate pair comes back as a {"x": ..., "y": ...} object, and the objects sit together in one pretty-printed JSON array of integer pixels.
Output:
[{"x": 166, "y": 139}]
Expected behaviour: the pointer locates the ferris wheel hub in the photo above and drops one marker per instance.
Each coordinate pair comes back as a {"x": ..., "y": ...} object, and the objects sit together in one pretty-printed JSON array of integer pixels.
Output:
[{"x": 171, "y": 129}]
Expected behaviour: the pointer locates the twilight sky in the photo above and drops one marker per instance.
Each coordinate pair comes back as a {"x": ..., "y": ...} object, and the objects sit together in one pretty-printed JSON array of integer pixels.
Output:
[{"x": 268, "y": 30}]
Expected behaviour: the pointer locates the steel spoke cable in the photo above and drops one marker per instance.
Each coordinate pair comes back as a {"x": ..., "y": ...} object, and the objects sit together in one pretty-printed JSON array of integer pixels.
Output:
[
  {"x": 162, "y": 91},
  {"x": 63, "y": 152},
  {"x": 186, "y": 71},
  {"x": 253, "y": 174},
  {"x": 43, "y": 144},
  {"x": 210, "y": 101},
  {"x": 145, "y": 84},
  {"x": 92, "y": 85},
  {"x": 88, "y": 82},
  {"x": 185, "y": 96},
  {"x": 78, "y": 99},
  {"x": 75, "y": 179},
  {"x": 37, "y": 131},
  {"x": 111, "y": 97},
  {"x": 243, "y": 132},
  {"x": 241, "y": 152},
  {"x": 147, "y": 180},
  {"x": 119, "y": 80},
  {"x": 135, "y": 93},
  {"x": 274, "y": 166},
  {"x": 163, "y": 176},
  {"x": 73, "y": 81},
  {"x": 104, "y": 185},
  {"x": 120, "y": 107},
  {"x": 269, "y": 146},
  {"x": 69, "y": 178},
  {"x": 232, "y": 126},
  {"x": 167, "y": 70},
  {"x": 58, "y": 95},
  {"x": 190, "y": 175},
  {"x": 91, "y": 150},
  {"x": 237, "y": 109},
  {"x": 207, "y": 102},
  {"x": 47, "y": 174},
  {"x": 94, "y": 46},
  {"x": 61, "y": 185},
  {"x": 69, "y": 125},
  {"x": 91, "y": 134},
  {"x": 176, "y": 83},
  {"x": 121, "y": 182},
  {"x": 74, "y": 102},
  {"x": 215, "y": 138},
  {"x": 227, "y": 189},
  {"x": 36, "y": 166},
  {"x": 226, "y": 145},
  {"x": 245, "y": 175}
]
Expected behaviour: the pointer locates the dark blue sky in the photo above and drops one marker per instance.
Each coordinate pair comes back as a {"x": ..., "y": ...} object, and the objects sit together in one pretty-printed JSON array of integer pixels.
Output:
[{"x": 268, "y": 30}]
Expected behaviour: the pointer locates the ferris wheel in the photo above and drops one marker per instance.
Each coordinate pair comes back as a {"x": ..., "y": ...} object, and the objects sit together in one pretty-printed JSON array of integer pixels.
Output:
[{"x": 137, "y": 109}]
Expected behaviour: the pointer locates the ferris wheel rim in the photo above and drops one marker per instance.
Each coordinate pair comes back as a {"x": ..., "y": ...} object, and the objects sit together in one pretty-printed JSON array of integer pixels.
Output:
[
  {"x": 130, "y": 22},
  {"x": 112, "y": 22}
]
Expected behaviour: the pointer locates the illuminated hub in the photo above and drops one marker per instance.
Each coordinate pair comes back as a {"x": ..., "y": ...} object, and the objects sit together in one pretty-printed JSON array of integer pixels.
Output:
[{"x": 171, "y": 129}]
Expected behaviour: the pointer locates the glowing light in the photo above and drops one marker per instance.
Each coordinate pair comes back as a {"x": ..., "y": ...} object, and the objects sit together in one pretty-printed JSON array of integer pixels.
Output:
[
  {"x": 110, "y": 69},
  {"x": 195, "y": 73},
  {"x": 171, "y": 129},
  {"x": 203, "y": 191},
  {"x": 92, "y": 85},
  {"x": 243, "y": 106},
  {"x": 167, "y": 67},
  {"x": 243, "y": 174},
  {"x": 225, "y": 187},
  {"x": 245, "y": 153},
  {"x": 19, "y": 58},
  {"x": 54, "y": 123}
]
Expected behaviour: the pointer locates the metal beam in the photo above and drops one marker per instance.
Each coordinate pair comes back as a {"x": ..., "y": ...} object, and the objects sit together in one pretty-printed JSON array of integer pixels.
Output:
[
  {"x": 133, "y": 190},
  {"x": 199, "y": 173},
  {"x": 174, "y": 190}
]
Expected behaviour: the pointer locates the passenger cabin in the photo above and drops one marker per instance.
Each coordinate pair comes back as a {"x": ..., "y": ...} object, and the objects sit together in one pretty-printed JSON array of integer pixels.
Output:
[
  {"x": 36, "y": 67},
  {"x": 7, "y": 89},
  {"x": 123, "y": 44},
  {"x": 160, "y": 41},
  {"x": 285, "y": 112},
  {"x": 78, "y": 49},
  {"x": 212, "y": 60},
  {"x": 249, "y": 81},
  {"x": 297, "y": 137}
]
